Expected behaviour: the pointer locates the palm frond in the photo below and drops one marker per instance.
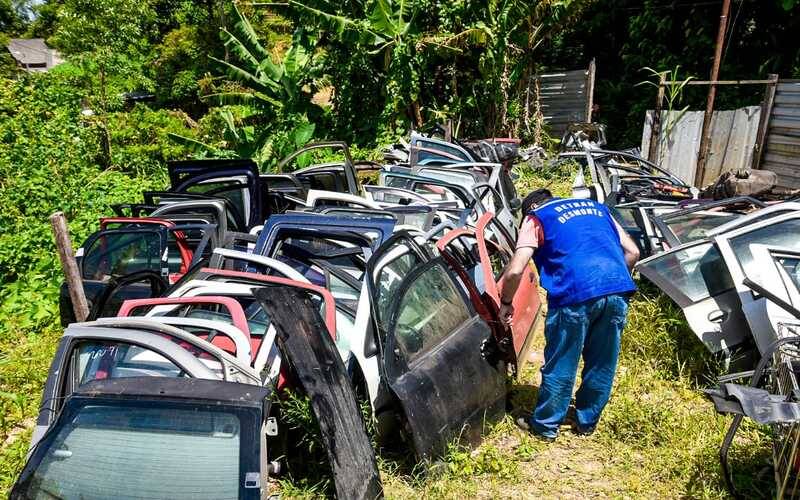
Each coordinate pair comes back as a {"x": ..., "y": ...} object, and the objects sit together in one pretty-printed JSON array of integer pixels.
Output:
[
  {"x": 192, "y": 145},
  {"x": 247, "y": 36},
  {"x": 254, "y": 99},
  {"x": 244, "y": 77}
]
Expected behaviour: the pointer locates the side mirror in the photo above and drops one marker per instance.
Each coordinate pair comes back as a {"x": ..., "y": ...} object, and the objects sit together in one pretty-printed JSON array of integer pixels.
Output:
[{"x": 515, "y": 204}]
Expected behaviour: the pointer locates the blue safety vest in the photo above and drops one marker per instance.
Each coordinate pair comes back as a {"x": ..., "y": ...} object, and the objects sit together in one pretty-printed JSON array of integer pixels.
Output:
[{"x": 581, "y": 257}]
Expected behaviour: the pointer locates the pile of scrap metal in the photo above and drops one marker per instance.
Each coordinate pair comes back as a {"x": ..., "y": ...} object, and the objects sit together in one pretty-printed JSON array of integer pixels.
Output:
[{"x": 212, "y": 299}]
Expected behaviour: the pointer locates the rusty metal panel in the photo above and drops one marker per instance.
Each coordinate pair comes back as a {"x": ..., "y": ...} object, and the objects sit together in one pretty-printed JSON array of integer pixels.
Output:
[
  {"x": 733, "y": 136},
  {"x": 564, "y": 98},
  {"x": 782, "y": 150}
]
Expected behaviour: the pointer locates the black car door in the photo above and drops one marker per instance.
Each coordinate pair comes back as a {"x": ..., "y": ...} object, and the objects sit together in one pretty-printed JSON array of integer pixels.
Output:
[
  {"x": 234, "y": 180},
  {"x": 439, "y": 355}
]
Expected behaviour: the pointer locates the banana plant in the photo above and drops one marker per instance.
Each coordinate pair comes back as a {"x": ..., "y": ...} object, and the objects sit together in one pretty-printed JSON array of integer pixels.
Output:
[
  {"x": 265, "y": 100},
  {"x": 385, "y": 29}
]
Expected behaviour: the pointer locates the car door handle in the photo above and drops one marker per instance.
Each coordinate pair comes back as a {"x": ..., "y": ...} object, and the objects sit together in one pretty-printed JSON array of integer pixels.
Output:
[{"x": 717, "y": 316}]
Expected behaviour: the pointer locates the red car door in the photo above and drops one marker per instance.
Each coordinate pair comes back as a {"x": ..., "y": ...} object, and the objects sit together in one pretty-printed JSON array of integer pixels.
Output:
[{"x": 486, "y": 272}]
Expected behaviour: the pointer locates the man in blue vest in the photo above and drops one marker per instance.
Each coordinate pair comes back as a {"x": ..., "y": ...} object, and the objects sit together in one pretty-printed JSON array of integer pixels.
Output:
[{"x": 584, "y": 260}]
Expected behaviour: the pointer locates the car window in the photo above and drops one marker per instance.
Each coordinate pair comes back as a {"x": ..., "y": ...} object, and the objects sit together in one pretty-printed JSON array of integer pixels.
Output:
[
  {"x": 464, "y": 250},
  {"x": 498, "y": 260},
  {"x": 455, "y": 177},
  {"x": 430, "y": 308},
  {"x": 626, "y": 216},
  {"x": 174, "y": 260},
  {"x": 792, "y": 267},
  {"x": 433, "y": 192},
  {"x": 695, "y": 226},
  {"x": 122, "y": 253},
  {"x": 390, "y": 277},
  {"x": 490, "y": 198},
  {"x": 426, "y": 154},
  {"x": 128, "y": 452},
  {"x": 105, "y": 360},
  {"x": 232, "y": 190},
  {"x": 297, "y": 249},
  {"x": 326, "y": 181},
  {"x": 781, "y": 234},
  {"x": 697, "y": 272}
]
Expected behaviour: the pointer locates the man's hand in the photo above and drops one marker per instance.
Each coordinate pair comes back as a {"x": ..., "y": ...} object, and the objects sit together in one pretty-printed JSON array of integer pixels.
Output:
[{"x": 506, "y": 312}]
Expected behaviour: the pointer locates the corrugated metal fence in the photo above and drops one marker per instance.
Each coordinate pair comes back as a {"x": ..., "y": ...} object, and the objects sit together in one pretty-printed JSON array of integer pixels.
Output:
[
  {"x": 782, "y": 150},
  {"x": 733, "y": 138},
  {"x": 566, "y": 97}
]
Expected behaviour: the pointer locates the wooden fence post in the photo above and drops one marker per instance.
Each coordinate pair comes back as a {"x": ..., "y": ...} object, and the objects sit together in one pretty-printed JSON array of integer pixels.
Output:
[
  {"x": 70, "y": 266},
  {"x": 655, "y": 127},
  {"x": 590, "y": 90},
  {"x": 763, "y": 123}
]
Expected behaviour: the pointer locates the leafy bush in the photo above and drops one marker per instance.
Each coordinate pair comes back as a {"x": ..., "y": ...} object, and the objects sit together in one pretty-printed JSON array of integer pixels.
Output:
[{"x": 50, "y": 159}]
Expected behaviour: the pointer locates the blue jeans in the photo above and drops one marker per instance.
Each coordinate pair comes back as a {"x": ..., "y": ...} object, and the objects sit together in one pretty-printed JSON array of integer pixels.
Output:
[{"x": 593, "y": 329}]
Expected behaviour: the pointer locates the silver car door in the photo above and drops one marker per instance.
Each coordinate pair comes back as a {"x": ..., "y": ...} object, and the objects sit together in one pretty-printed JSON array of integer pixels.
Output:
[
  {"x": 736, "y": 248},
  {"x": 779, "y": 273},
  {"x": 695, "y": 277}
]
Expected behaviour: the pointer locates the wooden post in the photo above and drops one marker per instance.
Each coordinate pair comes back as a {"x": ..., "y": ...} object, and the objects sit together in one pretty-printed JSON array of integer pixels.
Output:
[
  {"x": 70, "y": 266},
  {"x": 763, "y": 121},
  {"x": 705, "y": 138},
  {"x": 590, "y": 91},
  {"x": 655, "y": 127},
  {"x": 448, "y": 130}
]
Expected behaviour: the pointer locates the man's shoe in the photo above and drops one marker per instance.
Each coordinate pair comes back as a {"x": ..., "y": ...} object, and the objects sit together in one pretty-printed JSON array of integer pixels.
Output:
[
  {"x": 572, "y": 421},
  {"x": 525, "y": 426}
]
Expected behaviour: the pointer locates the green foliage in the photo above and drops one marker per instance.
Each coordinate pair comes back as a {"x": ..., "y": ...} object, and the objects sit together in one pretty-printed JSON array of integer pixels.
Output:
[
  {"x": 487, "y": 459},
  {"x": 309, "y": 469},
  {"x": 414, "y": 62},
  {"x": 265, "y": 107}
]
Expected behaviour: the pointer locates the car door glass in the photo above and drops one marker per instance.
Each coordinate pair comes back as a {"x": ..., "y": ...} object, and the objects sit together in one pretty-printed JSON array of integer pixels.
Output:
[
  {"x": 781, "y": 234},
  {"x": 231, "y": 190},
  {"x": 389, "y": 279},
  {"x": 326, "y": 181},
  {"x": 430, "y": 308},
  {"x": 498, "y": 260},
  {"x": 122, "y": 253},
  {"x": 430, "y": 152},
  {"x": 187, "y": 452},
  {"x": 694, "y": 226},
  {"x": 464, "y": 250},
  {"x": 106, "y": 360},
  {"x": 697, "y": 271},
  {"x": 792, "y": 267}
]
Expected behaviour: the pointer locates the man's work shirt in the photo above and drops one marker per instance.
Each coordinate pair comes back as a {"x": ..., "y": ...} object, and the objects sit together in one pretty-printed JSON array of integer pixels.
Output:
[{"x": 578, "y": 251}]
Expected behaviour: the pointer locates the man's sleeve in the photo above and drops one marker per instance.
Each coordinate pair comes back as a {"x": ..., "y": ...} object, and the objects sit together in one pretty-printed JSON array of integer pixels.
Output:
[{"x": 530, "y": 234}]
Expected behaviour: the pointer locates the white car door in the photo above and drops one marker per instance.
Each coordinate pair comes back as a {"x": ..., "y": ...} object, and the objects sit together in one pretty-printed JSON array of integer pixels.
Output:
[
  {"x": 694, "y": 276},
  {"x": 779, "y": 274},
  {"x": 736, "y": 248}
]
